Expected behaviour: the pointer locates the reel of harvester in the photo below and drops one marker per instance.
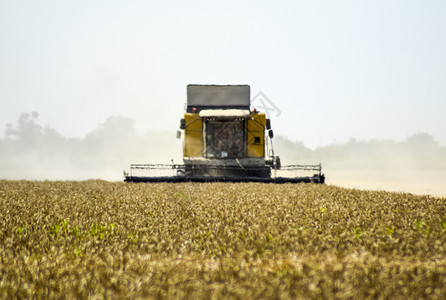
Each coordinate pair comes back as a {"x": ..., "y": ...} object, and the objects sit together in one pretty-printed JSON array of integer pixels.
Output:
[{"x": 178, "y": 173}]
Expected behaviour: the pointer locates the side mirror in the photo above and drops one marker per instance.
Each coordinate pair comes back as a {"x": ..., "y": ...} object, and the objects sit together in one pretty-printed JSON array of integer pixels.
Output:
[
  {"x": 178, "y": 134},
  {"x": 182, "y": 124},
  {"x": 268, "y": 124},
  {"x": 277, "y": 163},
  {"x": 270, "y": 133}
]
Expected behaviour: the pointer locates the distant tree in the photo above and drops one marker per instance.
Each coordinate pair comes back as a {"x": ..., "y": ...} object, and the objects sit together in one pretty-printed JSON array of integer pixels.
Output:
[
  {"x": 422, "y": 140},
  {"x": 27, "y": 128}
]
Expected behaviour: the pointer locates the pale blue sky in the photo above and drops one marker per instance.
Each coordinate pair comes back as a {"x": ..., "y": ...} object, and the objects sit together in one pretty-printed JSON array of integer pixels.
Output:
[{"x": 335, "y": 69}]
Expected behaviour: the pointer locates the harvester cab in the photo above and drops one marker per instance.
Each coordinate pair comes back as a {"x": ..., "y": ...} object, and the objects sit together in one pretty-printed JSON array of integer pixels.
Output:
[{"x": 224, "y": 141}]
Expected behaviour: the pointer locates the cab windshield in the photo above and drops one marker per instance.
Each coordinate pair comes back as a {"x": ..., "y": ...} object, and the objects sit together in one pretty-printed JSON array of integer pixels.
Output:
[{"x": 225, "y": 138}]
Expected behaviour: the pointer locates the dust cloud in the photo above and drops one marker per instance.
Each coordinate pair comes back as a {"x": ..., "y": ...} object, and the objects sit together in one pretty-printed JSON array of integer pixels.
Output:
[
  {"x": 416, "y": 165},
  {"x": 32, "y": 151}
]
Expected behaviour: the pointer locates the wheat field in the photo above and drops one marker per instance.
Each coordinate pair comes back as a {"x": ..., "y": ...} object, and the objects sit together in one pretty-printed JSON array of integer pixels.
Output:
[{"x": 112, "y": 240}]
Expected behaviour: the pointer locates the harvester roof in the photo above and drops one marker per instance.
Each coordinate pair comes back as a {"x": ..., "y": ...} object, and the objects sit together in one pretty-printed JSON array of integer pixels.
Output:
[{"x": 204, "y": 97}]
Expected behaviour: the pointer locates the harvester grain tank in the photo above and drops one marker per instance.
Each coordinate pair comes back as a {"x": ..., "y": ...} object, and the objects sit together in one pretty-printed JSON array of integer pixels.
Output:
[{"x": 224, "y": 140}]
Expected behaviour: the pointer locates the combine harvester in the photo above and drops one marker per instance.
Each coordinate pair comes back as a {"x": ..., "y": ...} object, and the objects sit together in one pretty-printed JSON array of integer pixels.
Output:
[{"x": 224, "y": 141}]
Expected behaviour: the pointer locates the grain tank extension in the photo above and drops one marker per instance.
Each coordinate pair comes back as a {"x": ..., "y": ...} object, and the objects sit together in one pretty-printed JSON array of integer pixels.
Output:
[{"x": 224, "y": 140}]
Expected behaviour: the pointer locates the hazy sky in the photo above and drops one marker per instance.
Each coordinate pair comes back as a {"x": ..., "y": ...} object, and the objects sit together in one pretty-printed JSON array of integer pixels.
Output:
[{"x": 335, "y": 69}]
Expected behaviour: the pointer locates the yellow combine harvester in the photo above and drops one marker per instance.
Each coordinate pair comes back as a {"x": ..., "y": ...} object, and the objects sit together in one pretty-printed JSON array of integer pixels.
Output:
[{"x": 224, "y": 141}]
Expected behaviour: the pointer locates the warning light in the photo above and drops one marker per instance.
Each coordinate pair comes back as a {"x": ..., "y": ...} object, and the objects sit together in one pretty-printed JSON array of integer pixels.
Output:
[{"x": 194, "y": 109}]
